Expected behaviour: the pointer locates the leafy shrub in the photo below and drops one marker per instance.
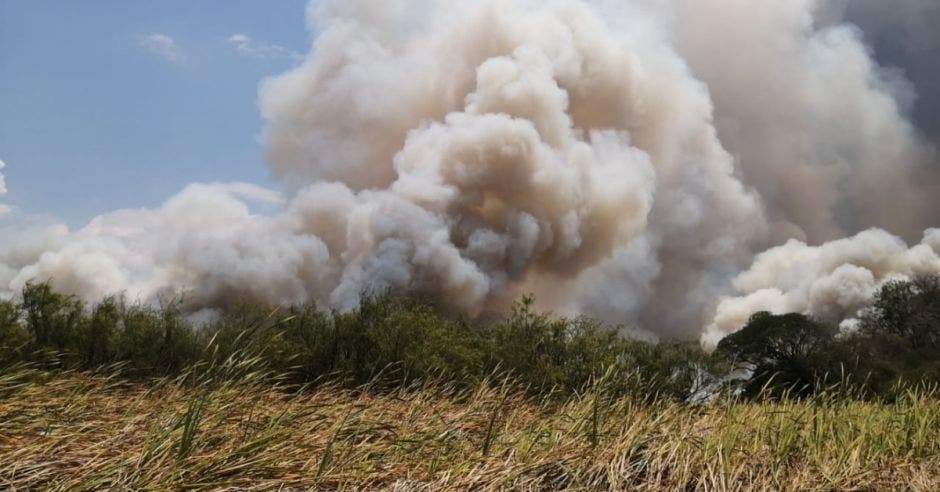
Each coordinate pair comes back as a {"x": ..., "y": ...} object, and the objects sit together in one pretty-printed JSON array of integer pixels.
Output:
[
  {"x": 675, "y": 370},
  {"x": 52, "y": 318},
  {"x": 154, "y": 341},
  {"x": 391, "y": 340},
  {"x": 785, "y": 353},
  {"x": 14, "y": 338},
  {"x": 898, "y": 341},
  {"x": 546, "y": 352},
  {"x": 95, "y": 334}
]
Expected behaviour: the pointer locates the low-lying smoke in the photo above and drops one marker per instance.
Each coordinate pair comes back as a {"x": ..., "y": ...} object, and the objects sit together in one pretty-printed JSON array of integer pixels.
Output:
[
  {"x": 623, "y": 160},
  {"x": 833, "y": 281}
]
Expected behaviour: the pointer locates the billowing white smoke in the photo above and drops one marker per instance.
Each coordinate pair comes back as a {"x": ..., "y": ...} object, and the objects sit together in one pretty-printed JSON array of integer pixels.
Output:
[
  {"x": 547, "y": 149},
  {"x": 614, "y": 158},
  {"x": 833, "y": 281}
]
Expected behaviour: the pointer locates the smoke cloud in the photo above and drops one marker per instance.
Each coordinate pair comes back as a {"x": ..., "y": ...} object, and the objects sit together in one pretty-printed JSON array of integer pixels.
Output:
[
  {"x": 904, "y": 36},
  {"x": 819, "y": 129},
  {"x": 624, "y": 160},
  {"x": 833, "y": 281}
]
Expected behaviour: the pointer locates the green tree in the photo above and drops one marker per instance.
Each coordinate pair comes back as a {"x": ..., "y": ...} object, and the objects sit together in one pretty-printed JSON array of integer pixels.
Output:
[
  {"x": 548, "y": 352},
  {"x": 14, "y": 339},
  {"x": 51, "y": 317},
  {"x": 95, "y": 337},
  {"x": 784, "y": 353},
  {"x": 899, "y": 337},
  {"x": 155, "y": 341},
  {"x": 907, "y": 310}
]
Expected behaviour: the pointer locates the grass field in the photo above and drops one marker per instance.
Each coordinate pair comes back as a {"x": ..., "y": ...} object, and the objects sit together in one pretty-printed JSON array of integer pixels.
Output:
[{"x": 234, "y": 428}]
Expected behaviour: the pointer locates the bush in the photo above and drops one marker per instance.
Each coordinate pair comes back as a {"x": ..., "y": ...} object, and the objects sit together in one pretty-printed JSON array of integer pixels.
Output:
[
  {"x": 896, "y": 346},
  {"x": 95, "y": 334},
  {"x": 898, "y": 341},
  {"x": 678, "y": 371},
  {"x": 549, "y": 353},
  {"x": 395, "y": 339},
  {"x": 785, "y": 353},
  {"x": 50, "y": 328},
  {"x": 52, "y": 318},
  {"x": 15, "y": 340},
  {"x": 154, "y": 341},
  {"x": 392, "y": 340},
  {"x": 407, "y": 339},
  {"x": 388, "y": 341}
]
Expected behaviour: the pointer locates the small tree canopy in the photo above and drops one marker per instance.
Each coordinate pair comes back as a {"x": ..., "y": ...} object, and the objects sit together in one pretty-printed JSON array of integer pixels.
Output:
[{"x": 788, "y": 350}]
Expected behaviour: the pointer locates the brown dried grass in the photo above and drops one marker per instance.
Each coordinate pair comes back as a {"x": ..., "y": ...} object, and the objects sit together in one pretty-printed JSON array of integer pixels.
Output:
[{"x": 75, "y": 431}]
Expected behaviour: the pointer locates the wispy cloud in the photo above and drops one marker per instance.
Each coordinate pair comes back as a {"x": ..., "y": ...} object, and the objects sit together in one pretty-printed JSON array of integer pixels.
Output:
[
  {"x": 4, "y": 209},
  {"x": 251, "y": 192},
  {"x": 246, "y": 46},
  {"x": 164, "y": 47},
  {"x": 3, "y": 184}
]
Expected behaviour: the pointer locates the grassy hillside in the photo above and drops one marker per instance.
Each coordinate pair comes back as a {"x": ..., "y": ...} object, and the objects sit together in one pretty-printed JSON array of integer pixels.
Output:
[{"x": 233, "y": 426}]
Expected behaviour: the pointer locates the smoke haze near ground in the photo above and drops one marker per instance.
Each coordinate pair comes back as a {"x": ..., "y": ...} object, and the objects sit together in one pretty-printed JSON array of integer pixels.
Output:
[
  {"x": 624, "y": 160},
  {"x": 833, "y": 281}
]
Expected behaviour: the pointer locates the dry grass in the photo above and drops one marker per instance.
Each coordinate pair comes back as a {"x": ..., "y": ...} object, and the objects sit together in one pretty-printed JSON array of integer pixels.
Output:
[{"x": 78, "y": 431}]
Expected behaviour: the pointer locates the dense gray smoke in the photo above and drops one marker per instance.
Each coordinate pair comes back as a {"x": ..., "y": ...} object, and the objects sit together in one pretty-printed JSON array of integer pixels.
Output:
[
  {"x": 819, "y": 129},
  {"x": 904, "y": 36},
  {"x": 623, "y": 160}
]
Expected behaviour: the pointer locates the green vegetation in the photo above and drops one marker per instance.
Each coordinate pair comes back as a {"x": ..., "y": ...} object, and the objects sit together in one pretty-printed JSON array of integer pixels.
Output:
[
  {"x": 392, "y": 341},
  {"x": 389, "y": 341},
  {"x": 398, "y": 395},
  {"x": 895, "y": 345}
]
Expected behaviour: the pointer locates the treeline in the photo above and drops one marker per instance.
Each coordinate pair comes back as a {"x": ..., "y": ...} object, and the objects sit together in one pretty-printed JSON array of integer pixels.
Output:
[
  {"x": 894, "y": 344},
  {"x": 392, "y": 340}
]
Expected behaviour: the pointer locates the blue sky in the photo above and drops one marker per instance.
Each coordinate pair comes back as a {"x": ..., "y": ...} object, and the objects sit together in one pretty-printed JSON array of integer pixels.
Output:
[{"x": 117, "y": 103}]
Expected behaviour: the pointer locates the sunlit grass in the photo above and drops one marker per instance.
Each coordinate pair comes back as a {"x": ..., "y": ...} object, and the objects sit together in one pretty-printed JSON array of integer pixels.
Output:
[{"x": 232, "y": 425}]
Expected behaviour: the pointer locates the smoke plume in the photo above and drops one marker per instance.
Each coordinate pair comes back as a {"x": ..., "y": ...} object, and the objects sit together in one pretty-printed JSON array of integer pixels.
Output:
[
  {"x": 905, "y": 37},
  {"x": 833, "y": 281},
  {"x": 623, "y": 160}
]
